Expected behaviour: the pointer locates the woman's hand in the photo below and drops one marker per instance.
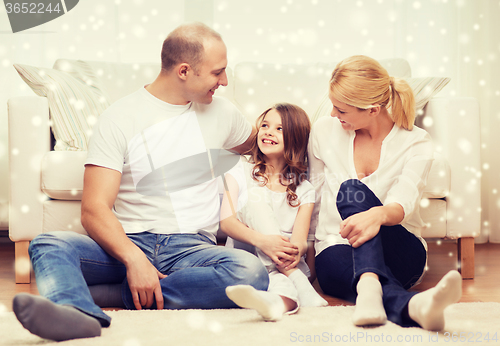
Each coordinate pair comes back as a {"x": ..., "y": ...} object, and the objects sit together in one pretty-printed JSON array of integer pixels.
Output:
[
  {"x": 278, "y": 248},
  {"x": 361, "y": 227}
]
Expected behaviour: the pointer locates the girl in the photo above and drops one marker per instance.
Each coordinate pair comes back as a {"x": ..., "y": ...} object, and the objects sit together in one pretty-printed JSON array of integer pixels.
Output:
[{"x": 274, "y": 203}]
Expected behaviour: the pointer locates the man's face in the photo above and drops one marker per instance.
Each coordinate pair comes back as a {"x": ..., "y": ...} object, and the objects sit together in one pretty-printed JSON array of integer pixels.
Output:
[{"x": 209, "y": 74}]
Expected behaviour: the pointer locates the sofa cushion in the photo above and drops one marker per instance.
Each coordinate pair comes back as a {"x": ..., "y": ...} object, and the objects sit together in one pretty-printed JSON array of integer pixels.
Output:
[
  {"x": 425, "y": 88},
  {"x": 62, "y": 216},
  {"x": 433, "y": 213},
  {"x": 62, "y": 174},
  {"x": 74, "y": 102},
  {"x": 439, "y": 179}
]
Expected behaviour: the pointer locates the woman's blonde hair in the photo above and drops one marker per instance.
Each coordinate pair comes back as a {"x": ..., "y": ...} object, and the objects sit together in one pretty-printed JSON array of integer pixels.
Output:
[{"x": 361, "y": 81}]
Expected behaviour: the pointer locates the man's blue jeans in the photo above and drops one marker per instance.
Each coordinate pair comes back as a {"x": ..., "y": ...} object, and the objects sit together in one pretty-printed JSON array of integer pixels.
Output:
[
  {"x": 396, "y": 255},
  {"x": 66, "y": 263}
]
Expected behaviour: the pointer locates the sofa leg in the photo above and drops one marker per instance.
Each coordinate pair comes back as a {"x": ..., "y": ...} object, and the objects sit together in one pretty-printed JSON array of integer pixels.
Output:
[
  {"x": 466, "y": 257},
  {"x": 22, "y": 263}
]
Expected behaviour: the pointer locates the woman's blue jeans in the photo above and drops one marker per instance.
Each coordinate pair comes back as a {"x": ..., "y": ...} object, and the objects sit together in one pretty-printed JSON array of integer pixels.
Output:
[
  {"x": 66, "y": 263},
  {"x": 396, "y": 255}
]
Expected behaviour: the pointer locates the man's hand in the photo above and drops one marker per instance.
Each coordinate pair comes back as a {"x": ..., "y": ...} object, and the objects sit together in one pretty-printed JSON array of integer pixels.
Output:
[
  {"x": 144, "y": 282},
  {"x": 278, "y": 248},
  {"x": 361, "y": 227}
]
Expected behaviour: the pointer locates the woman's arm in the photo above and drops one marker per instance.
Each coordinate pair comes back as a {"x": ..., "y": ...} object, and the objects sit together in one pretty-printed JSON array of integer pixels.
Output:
[
  {"x": 316, "y": 178},
  {"x": 277, "y": 247},
  {"x": 402, "y": 198}
]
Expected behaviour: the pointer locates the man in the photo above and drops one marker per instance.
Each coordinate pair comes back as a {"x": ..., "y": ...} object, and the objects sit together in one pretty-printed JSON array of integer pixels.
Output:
[{"x": 150, "y": 203}]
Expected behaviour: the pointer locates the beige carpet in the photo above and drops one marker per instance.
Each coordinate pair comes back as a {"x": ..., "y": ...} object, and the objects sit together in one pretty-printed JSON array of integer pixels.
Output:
[{"x": 473, "y": 323}]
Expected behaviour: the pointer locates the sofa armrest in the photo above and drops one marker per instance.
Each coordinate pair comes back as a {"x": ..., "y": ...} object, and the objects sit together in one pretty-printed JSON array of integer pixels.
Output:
[
  {"x": 454, "y": 124},
  {"x": 29, "y": 140}
]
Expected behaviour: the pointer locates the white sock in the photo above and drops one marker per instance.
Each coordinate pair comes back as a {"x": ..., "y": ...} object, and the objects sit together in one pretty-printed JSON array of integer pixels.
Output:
[
  {"x": 369, "y": 308},
  {"x": 427, "y": 308},
  {"x": 307, "y": 294},
  {"x": 269, "y": 305}
]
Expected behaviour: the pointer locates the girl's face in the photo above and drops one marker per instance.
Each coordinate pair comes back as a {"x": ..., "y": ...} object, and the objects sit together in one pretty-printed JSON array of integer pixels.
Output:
[
  {"x": 270, "y": 135},
  {"x": 351, "y": 118}
]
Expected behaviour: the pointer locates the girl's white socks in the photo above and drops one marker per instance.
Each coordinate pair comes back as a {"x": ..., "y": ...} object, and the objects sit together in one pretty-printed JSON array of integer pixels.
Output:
[
  {"x": 427, "y": 308},
  {"x": 307, "y": 294},
  {"x": 369, "y": 308},
  {"x": 269, "y": 305}
]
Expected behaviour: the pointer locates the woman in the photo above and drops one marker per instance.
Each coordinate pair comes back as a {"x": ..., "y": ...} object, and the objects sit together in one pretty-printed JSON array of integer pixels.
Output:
[{"x": 369, "y": 168}]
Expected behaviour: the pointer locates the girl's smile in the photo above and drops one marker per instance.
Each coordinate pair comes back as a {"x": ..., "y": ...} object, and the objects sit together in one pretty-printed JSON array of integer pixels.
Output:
[{"x": 270, "y": 136}]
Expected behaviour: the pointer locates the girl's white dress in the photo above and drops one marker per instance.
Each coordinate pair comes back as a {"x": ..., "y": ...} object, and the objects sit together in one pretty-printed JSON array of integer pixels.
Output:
[{"x": 268, "y": 212}]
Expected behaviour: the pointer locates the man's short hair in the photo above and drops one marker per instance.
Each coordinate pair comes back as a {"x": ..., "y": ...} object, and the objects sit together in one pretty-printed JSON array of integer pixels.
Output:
[{"x": 185, "y": 45}]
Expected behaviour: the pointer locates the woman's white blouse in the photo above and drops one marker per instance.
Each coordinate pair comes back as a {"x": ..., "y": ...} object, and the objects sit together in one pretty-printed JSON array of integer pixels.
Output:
[{"x": 405, "y": 161}]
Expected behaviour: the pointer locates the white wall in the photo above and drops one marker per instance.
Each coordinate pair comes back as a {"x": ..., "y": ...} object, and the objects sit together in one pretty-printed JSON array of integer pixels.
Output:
[{"x": 454, "y": 38}]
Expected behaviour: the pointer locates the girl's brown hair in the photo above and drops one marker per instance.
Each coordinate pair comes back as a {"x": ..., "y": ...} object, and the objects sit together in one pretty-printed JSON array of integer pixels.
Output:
[
  {"x": 296, "y": 127},
  {"x": 361, "y": 81}
]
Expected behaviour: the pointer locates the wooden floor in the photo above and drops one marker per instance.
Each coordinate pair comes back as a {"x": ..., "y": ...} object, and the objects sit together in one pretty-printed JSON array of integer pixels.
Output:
[{"x": 442, "y": 258}]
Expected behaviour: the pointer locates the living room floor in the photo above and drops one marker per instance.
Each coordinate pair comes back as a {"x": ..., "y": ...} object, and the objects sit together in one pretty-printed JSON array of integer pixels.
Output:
[{"x": 441, "y": 259}]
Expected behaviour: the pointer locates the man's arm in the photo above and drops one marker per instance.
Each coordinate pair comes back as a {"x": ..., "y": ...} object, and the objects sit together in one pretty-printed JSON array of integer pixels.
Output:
[
  {"x": 100, "y": 189},
  {"x": 242, "y": 148}
]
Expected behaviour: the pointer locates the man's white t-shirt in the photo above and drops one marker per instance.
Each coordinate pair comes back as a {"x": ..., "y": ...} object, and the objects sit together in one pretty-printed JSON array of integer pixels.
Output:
[{"x": 171, "y": 160}]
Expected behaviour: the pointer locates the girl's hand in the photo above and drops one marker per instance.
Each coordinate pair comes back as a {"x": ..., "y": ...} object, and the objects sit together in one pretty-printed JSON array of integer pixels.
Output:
[
  {"x": 361, "y": 227},
  {"x": 288, "y": 264},
  {"x": 278, "y": 248}
]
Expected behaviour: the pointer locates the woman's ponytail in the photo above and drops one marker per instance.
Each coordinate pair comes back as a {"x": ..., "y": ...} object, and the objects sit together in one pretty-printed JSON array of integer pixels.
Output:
[{"x": 402, "y": 103}]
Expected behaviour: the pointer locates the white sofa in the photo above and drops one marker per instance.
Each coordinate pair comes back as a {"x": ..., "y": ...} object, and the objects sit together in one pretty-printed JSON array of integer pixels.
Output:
[{"x": 46, "y": 185}]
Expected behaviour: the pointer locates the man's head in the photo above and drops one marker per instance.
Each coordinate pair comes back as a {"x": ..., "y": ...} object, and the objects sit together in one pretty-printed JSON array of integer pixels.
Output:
[
  {"x": 185, "y": 44},
  {"x": 198, "y": 56}
]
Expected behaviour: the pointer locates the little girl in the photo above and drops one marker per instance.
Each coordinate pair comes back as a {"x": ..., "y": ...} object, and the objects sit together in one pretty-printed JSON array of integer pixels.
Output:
[{"x": 267, "y": 209}]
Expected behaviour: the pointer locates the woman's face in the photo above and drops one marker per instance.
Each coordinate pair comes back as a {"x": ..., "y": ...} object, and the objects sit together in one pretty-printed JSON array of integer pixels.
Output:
[{"x": 351, "y": 118}]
